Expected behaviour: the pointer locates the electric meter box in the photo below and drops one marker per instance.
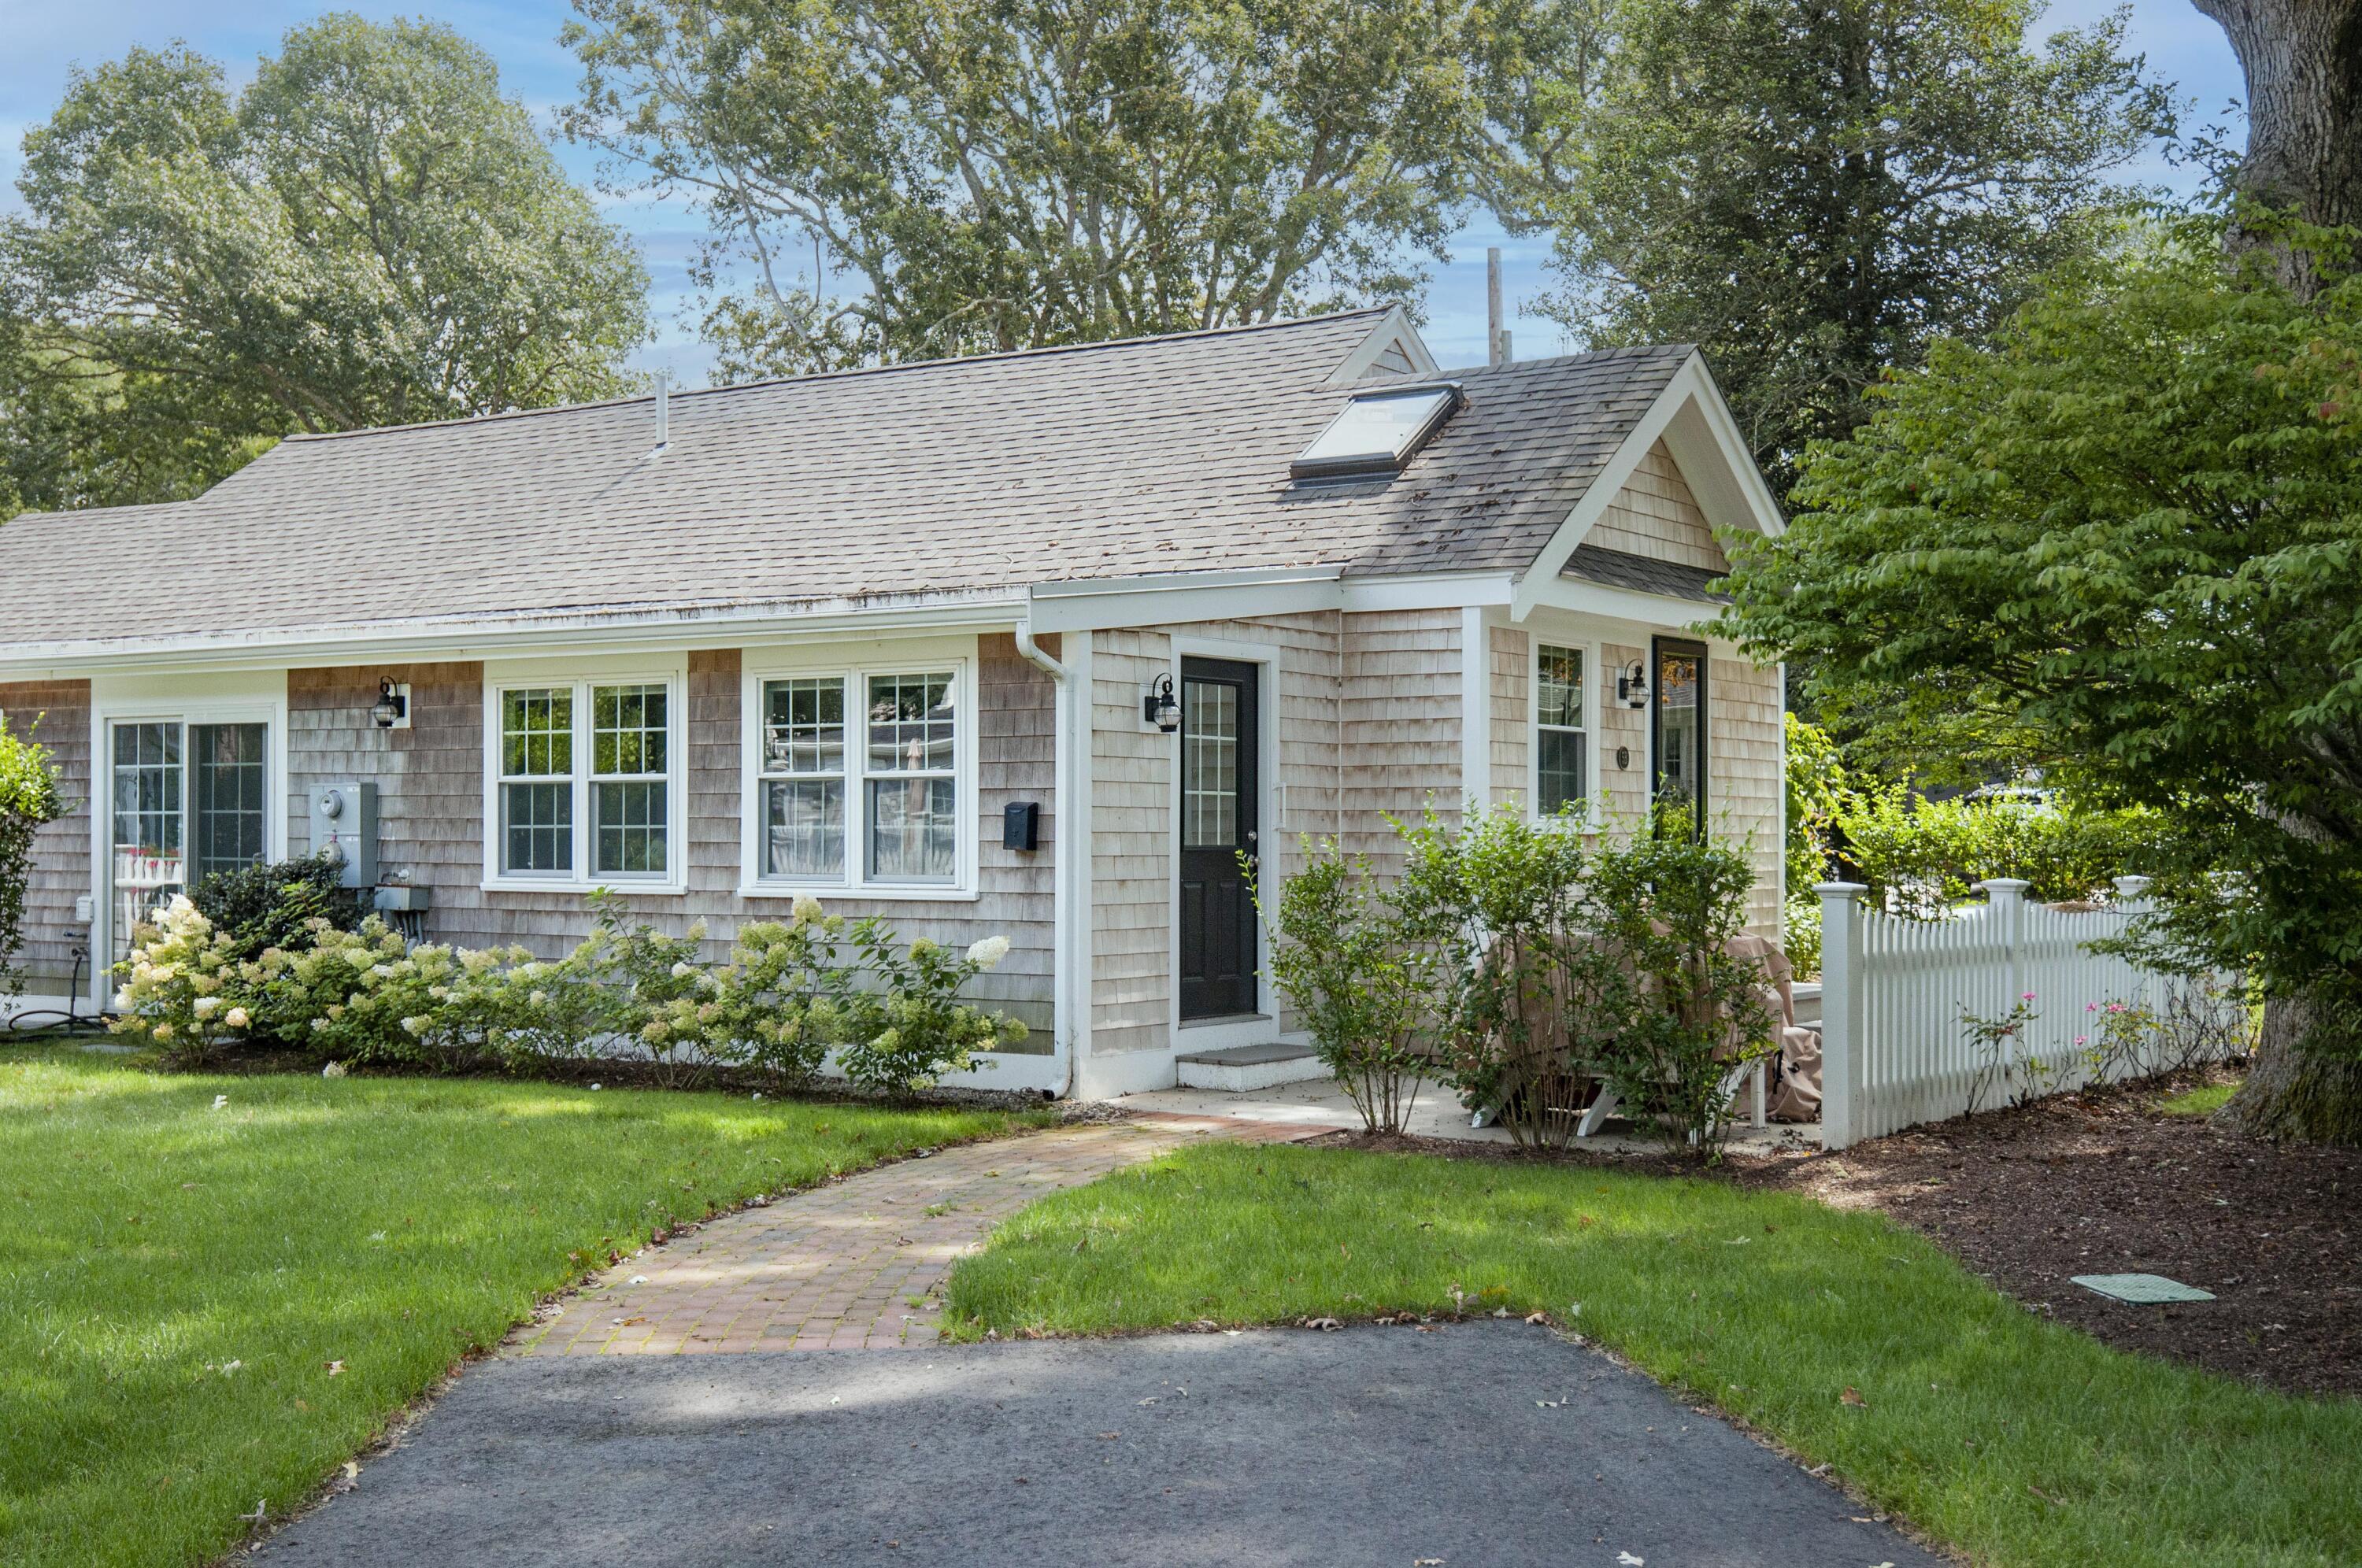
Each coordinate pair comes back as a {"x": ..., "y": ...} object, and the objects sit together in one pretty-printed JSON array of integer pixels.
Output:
[{"x": 344, "y": 827}]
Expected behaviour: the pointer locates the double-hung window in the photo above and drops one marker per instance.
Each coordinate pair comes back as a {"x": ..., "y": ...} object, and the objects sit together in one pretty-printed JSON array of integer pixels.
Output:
[
  {"x": 586, "y": 786},
  {"x": 858, "y": 780},
  {"x": 1561, "y": 740}
]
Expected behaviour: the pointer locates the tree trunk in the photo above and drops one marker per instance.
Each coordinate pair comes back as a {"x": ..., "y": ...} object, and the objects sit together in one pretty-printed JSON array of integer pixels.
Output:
[
  {"x": 2302, "y": 59},
  {"x": 2303, "y": 65},
  {"x": 2295, "y": 1093}
]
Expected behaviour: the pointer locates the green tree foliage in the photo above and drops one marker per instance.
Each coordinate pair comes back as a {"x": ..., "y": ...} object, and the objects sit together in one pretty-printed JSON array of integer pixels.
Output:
[
  {"x": 2133, "y": 523},
  {"x": 31, "y": 798},
  {"x": 1813, "y": 191},
  {"x": 1007, "y": 176},
  {"x": 367, "y": 234}
]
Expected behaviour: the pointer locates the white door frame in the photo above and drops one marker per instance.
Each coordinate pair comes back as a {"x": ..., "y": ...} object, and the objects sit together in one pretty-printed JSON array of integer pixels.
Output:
[{"x": 1220, "y": 1035}]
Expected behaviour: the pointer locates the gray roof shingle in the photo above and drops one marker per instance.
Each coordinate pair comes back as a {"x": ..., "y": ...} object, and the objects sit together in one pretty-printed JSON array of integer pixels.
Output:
[
  {"x": 1103, "y": 461},
  {"x": 1619, "y": 569}
]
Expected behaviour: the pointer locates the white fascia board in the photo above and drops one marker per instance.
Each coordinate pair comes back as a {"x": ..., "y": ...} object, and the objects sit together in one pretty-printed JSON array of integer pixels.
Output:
[
  {"x": 1649, "y": 613},
  {"x": 408, "y": 642},
  {"x": 1695, "y": 422}
]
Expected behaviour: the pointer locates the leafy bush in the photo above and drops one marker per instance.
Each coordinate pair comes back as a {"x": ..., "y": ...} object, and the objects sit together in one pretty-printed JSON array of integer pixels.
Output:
[
  {"x": 1921, "y": 857},
  {"x": 787, "y": 993},
  {"x": 271, "y": 905},
  {"x": 1346, "y": 959},
  {"x": 30, "y": 798},
  {"x": 1490, "y": 903},
  {"x": 910, "y": 1028},
  {"x": 1664, "y": 1006}
]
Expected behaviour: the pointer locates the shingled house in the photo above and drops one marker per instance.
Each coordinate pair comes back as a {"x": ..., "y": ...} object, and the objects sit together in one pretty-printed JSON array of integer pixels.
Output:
[{"x": 1029, "y": 644}]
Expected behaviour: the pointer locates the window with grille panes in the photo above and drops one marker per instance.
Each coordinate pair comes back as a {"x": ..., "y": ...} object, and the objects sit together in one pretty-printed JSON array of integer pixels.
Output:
[
  {"x": 856, "y": 779},
  {"x": 587, "y": 780},
  {"x": 1562, "y": 758}
]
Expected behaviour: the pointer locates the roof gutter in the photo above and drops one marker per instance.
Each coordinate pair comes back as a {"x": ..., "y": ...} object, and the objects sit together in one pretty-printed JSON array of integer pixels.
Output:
[{"x": 1069, "y": 985}]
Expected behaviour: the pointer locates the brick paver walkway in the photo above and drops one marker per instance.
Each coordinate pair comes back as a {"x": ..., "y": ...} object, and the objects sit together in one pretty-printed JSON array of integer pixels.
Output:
[{"x": 858, "y": 1264}]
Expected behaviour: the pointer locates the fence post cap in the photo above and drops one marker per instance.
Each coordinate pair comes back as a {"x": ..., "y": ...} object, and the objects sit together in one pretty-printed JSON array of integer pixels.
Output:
[
  {"x": 2005, "y": 887},
  {"x": 1840, "y": 889},
  {"x": 2133, "y": 887}
]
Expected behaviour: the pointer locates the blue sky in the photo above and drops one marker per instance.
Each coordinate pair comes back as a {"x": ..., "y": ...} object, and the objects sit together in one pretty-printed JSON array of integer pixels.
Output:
[{"x": 522, "y": 35}]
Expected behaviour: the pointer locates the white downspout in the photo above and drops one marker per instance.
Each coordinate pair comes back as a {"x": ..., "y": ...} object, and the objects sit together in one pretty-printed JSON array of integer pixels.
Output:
[{"x": 1067, "y": 986}]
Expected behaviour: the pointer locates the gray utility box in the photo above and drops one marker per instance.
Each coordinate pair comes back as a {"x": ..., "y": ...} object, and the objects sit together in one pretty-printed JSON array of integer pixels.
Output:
[{"x": 344, "y": 827}]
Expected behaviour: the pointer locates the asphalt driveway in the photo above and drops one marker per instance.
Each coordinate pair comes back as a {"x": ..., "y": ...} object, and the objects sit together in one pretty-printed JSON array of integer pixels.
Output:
[{"x": 1495, "y": 1444}]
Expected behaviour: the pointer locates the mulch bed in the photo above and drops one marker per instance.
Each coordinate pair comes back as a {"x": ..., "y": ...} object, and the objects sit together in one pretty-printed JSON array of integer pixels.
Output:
[{"x": 2105, "y": 1184}]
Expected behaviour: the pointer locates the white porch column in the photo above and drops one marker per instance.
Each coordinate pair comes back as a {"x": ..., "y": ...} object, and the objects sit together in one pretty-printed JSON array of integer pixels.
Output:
[{"x": 1841, "y": 1012}]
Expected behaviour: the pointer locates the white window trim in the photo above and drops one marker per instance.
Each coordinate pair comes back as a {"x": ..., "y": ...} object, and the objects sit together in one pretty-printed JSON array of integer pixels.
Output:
[
  {"x": 855, "y": 664},
  {"x": 255, "y": 698},
  {"x": 580, "y": 676},
  {"x": 1594, "y": 676}
]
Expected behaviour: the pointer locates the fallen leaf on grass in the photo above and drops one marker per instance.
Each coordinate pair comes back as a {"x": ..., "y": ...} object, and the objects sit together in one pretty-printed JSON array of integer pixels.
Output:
[
  {"x": 1326, "y": 1325},
  {"x": 1853, "y": 1397},
  {"x": 336, "y": 1369},
  {"x": 1537, "y": 1317},
  {"x": 1625, "y": 1560}
]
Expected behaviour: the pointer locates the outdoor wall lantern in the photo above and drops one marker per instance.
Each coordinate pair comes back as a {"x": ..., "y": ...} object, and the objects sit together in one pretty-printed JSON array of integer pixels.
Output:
[
  {"x": 1632, "y": 686},
  {"x": 1159, "y": 707},
  {"x": 392, "y": 709}
]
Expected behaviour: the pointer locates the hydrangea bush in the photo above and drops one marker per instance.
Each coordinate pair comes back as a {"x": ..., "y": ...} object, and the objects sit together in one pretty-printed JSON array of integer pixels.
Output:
[{"x": 788, "y": 992}]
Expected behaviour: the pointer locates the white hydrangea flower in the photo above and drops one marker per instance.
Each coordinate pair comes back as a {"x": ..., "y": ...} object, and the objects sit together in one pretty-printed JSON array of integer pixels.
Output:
[
  {"x": 987, "y": 953},
  {"x": 683, "y": 971},
  {"x": 206, "y": 1007},
  {"x": 334, "y": 1069},
  {"x": 236, "y": 1016},
  {"x": 415, "y": 1025},
  {"x": 697, "y": 928},
  {"x": 805, "y": 907}
]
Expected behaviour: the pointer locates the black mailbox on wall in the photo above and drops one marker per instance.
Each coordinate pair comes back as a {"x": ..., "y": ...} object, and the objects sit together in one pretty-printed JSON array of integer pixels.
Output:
[{"x": 1021, "y": 825}]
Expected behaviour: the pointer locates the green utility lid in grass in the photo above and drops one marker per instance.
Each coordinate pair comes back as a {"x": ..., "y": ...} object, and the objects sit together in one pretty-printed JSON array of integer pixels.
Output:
[{"x": 2141, "y": 1287}]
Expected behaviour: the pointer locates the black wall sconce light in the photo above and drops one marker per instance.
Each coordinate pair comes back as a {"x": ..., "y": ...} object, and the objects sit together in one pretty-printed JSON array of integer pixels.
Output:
[
  {"x": 392, "y": 709},
  {"x": 1159, "y": 707},
  {"x": 1632, "y": 685}
]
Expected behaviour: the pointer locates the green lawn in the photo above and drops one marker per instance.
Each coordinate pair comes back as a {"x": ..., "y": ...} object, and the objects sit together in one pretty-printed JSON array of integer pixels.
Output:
[
  {"x": 2013, "y": 1438},
  {"x": 178, "y": 1281}
]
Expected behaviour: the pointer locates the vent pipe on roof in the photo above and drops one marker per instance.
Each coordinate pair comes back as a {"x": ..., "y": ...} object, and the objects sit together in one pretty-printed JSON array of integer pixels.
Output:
[
  {"x": 664, "y": 408},
  {"x": 1496, "y": 342}
]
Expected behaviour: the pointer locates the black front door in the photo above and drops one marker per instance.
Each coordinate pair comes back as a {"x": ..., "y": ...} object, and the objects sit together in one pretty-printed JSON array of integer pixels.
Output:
[
  {"x": 1219, "y": 796},
  {"x": 1678, "y": 736}
]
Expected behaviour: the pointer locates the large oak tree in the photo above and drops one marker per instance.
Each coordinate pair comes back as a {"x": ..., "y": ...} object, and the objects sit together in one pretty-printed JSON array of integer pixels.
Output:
[
  {"x": 991, "y": 176},
  {"x": 369, "y": 233}
]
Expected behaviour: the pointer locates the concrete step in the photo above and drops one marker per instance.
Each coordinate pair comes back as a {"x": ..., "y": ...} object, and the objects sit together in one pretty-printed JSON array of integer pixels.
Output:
[{"x": 1243, "y": 1067}]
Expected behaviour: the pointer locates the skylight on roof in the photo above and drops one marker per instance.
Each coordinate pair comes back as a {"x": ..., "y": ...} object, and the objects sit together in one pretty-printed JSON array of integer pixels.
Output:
[{"x": 1378, "y": 433}]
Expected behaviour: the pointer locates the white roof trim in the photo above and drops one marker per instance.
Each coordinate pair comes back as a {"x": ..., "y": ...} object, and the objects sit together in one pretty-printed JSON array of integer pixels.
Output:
[
  {"x": 1394, "y": 331},
  {"x": 1695, "y": 422}
]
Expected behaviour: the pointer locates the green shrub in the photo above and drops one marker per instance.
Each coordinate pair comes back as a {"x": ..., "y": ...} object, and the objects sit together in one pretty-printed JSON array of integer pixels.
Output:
[
  {"x": 30, "y": 798},
  {"x": 271, "y": 905},
  {"x": 908, "y": 1026},
  {"x": 1345, "y": 957},
  {"x": 1923, "y": 856},
  {"x": 779, "y": 1002},
  {"x": 1490, "y": 903}
]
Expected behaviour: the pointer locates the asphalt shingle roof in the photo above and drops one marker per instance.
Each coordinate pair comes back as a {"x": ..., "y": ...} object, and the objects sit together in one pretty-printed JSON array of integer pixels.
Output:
[
  {"x": 1105, "y": 461},
  {"x": 1620, "y": 569}
]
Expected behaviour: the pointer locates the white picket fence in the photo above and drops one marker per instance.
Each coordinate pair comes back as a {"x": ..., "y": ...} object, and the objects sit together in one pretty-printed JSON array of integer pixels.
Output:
[{"x": 1894, "y": 1051}]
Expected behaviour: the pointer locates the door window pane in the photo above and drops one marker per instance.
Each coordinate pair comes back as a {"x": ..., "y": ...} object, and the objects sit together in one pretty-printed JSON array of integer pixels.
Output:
[
  {"x": 148, "y": 860},
  {"x": 1209, "y": 764},
  {"x": 227, "y": 771}
]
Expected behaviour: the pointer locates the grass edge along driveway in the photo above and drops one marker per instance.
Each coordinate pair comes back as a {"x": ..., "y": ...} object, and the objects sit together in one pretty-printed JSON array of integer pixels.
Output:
[
  {"x": 203, "y": 1306},
  {"x": 1841, "y": 1335}
]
